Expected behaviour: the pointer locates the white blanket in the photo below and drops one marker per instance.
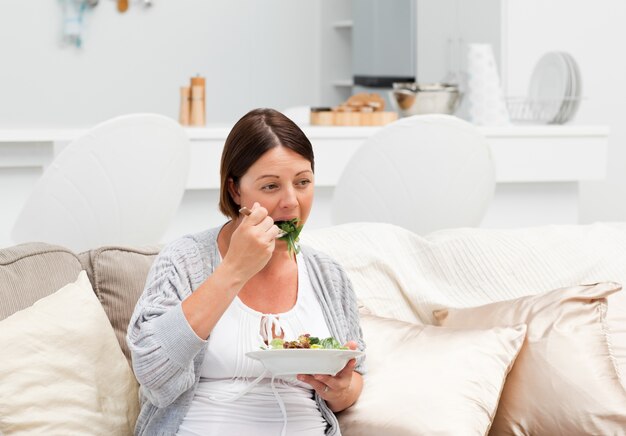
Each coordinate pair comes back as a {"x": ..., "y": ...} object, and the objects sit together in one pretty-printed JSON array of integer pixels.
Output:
[{"x": 401, "y": 275}]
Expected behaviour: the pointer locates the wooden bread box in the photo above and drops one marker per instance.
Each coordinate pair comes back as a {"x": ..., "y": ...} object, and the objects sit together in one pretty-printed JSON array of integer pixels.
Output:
[
  {"x": 362, "y": 109},
  {"x": 339, "y": 118}
]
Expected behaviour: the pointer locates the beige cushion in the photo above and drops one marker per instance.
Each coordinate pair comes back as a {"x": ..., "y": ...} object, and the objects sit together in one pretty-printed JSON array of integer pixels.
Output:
[
  {"x": 616, "y": 324},
  {"x": 32, "y": 271},
  {"x": 565, "y": 380},
  {"x": 119, "y": 275},
  {"x": 426, "y": 380},
  {"x": 62, "y": 371}
]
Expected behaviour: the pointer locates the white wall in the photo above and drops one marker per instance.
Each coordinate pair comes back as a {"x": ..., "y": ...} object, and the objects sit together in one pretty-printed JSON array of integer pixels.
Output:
[
  {"x": 252, "y": 53},
  {"x": 268, "y": 53},
  {"x": 594, "y": 33}
]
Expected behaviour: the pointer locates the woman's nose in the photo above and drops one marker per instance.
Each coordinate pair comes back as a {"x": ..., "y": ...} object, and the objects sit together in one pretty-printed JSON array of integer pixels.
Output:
[{"x": 289, "y": 199}]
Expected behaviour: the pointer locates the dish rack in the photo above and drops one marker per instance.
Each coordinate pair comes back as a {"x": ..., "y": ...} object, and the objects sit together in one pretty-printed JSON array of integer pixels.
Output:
[{"x": 541, "y": 111}]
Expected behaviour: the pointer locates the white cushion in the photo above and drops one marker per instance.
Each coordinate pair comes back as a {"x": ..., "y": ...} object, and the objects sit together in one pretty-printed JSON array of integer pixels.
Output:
[
  {"x": 427, "y": 380},
  {"x": 62, "y": 370}
]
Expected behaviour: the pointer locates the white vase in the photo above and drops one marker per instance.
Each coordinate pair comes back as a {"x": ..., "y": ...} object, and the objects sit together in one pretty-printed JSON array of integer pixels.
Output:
[{"x": 485, "y": 100}]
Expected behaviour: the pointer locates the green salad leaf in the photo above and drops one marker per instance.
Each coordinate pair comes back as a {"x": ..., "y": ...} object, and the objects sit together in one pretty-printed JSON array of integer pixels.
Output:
[
  {"x": 305, "y": 341},
  {"x": 332, "y": 343},
  {"x": 276, "y": 343},
  {"x": 292, "y": 230}
]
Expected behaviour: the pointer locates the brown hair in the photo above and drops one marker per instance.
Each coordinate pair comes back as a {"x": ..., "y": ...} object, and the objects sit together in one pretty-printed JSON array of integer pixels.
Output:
[{"x": 254, "y": 134}]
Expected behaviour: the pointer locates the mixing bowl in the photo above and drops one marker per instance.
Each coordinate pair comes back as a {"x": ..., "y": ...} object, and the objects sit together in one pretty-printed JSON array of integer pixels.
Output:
[{"x": 416, "y": 99}]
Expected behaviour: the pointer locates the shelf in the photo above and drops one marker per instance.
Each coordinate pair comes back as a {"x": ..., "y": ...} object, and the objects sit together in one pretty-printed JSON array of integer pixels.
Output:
[
  {"x": 343, "y": 24},
  {"x": 346, "y": 83}
]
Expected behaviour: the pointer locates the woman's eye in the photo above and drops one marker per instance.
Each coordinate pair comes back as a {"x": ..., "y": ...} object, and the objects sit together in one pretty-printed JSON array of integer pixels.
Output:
[
  {"x": 303, "y": 182},
  {"x": 270, "y": 187}
]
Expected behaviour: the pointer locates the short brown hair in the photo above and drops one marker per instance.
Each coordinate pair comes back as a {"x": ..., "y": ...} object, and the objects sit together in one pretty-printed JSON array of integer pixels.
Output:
[{"x": 254, "y": 134}]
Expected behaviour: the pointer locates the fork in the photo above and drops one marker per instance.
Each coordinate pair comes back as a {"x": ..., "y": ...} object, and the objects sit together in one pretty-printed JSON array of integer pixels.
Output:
[{"x": 245, "y": 211}]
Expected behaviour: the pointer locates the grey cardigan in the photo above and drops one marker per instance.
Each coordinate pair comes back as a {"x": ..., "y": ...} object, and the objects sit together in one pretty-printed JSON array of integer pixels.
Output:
[{"x": 167, "y": 354}]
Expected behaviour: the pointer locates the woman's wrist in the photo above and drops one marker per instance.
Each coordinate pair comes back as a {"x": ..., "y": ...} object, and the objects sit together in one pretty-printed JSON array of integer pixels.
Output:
[
  {"x": 231, "y": 275},
  {"x": 343, "y": 401},
  {"x": 349, "y": 396}
]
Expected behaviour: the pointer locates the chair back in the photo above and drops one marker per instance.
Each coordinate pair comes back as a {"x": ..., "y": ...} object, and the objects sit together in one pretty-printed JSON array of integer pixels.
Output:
[
  {"x": 423, "y": 173},
  {"x": 119, "y": 183}
]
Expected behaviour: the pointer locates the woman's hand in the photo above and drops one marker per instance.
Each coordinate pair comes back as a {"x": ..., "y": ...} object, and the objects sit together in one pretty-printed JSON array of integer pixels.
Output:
[
  {"x": 341, "y": 390},
  {"x": 251, "y": 247},
  {"x": 252, "y": 243}
]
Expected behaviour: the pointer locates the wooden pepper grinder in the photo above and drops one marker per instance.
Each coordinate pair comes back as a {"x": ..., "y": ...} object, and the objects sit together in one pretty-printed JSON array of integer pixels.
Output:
[
  {"x": 122, "y": 6},
  {"x": 185, "y": 105},
  {"x": 198, "y": 101}
]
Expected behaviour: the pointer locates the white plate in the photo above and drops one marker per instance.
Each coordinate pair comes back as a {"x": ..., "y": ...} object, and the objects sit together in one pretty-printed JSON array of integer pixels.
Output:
[
  {"x": 304, "y": 360},
  {"x": 550, "y": 83},
  {"x": 576, "y": 93},
  {"x": 560, "y": 118}
]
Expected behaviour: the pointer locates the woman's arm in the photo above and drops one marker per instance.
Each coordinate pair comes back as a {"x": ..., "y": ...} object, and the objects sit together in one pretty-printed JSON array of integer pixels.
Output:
[
  {"x": 160, "y": 340},
  {"x": 250, "y": 249}
]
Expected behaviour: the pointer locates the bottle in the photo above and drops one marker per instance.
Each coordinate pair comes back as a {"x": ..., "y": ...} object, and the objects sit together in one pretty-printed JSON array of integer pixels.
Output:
[{"x": 185, "y": 105}]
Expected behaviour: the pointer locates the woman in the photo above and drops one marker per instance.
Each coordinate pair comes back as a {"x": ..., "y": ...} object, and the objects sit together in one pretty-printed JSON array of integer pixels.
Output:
[{"x": 212, "y": 297}]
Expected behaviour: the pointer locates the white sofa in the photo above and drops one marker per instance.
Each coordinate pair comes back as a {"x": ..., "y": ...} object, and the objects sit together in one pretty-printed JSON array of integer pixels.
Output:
[{"x": 538, "y": 361}]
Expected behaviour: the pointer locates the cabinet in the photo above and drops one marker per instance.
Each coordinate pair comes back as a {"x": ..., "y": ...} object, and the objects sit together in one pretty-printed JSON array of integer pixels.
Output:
[{"x": 336, "y": 52}]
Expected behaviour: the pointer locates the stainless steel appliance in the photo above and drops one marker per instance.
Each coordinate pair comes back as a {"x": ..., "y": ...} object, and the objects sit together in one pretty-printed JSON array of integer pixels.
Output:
[{"x": 384, "y": 46}]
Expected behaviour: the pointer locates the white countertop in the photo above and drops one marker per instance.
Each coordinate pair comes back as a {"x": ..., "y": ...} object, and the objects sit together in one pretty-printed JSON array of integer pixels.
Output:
[
  {"x": 522, "y": 153},
  {"x": 216, "y": 131}
]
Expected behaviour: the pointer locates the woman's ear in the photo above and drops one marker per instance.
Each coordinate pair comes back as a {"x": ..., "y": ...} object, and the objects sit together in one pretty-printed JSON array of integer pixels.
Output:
[{"x": 233, "y": 190}]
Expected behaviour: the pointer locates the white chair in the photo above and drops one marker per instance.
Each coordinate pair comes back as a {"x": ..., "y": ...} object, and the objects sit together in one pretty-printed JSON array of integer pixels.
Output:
[
  {"x": 423, "y": 173},
  {"x": 119, "y": 183}
]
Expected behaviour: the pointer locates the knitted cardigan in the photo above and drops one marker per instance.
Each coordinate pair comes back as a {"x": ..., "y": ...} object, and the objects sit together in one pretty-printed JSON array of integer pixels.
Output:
[{"x": 167, "y": 354}]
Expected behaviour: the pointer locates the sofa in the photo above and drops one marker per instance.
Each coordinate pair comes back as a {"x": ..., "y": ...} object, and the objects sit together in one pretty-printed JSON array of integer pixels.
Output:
[{"x": 468, "y": 331}]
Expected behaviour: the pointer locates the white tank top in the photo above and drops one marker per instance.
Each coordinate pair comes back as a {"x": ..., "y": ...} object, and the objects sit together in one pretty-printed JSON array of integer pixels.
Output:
[{"x": 226, "y": 372}]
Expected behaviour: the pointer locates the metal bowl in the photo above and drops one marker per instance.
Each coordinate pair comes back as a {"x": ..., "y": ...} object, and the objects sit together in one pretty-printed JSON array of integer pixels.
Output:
[{"x": 418, "y": 99}]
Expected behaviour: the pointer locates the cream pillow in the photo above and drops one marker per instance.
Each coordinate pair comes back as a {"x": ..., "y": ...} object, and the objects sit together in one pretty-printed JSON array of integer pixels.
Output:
[
  {"x": 616, "y": 324},
  {"x": 565, "y": 380},
  {"x": 62, "y": 370},
  {"x": 426, "y": 380}
]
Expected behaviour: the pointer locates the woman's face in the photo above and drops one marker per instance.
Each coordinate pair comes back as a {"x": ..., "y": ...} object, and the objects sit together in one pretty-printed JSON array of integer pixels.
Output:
[{"x": 281, "y": 181}]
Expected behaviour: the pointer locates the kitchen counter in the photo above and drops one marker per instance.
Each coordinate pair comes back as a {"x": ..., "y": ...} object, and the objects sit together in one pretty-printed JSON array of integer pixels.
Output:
[
  {"x": 538, "y": 168},
  {"x": 521, "y": 153}
]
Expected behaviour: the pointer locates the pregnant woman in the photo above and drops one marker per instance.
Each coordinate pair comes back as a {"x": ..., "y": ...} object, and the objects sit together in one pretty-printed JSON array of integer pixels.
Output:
[{"x": 213, "y": 296}]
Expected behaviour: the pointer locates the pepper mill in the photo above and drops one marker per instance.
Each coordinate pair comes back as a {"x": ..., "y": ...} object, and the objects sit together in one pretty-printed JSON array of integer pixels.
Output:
[
  {"x": 185, "y": 105},
  {"x": 197, "y": 106},
  {"x": 198, "y": 101}
]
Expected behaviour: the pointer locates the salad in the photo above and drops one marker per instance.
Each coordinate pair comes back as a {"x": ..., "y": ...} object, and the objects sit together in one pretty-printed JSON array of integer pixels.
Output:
[
  {"x": 292, "y": 232},
  {"x": 306, "y": 341}
]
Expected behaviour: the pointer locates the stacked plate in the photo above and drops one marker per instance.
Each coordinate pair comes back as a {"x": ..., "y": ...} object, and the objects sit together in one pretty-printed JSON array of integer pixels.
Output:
[{"x": 555, "y": 88}]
